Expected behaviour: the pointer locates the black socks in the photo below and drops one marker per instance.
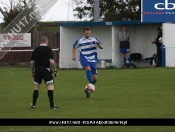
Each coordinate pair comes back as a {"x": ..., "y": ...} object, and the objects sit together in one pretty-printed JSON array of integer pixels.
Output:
[
  {"x": 35, "y": 96},
  {"x": 50, "y": 95}
]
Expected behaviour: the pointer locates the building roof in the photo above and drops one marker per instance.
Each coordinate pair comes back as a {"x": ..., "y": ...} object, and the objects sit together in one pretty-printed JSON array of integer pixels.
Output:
[{"x": 115, "y": 23}]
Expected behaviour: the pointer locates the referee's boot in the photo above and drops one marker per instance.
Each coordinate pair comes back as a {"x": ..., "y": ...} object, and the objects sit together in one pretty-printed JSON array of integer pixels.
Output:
[
  {"x": 54, "y": 107},
  {"x": 32, "y": 106}
]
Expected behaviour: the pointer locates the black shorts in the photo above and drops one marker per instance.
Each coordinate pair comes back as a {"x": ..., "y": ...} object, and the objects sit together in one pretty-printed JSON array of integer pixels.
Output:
[
  {"x": 43, "y": 73},
  {"x": 124, "y": 44}
]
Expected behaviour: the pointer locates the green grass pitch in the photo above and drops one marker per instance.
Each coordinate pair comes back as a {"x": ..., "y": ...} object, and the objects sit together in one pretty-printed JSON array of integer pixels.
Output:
[{"x": 119, "y": 93}]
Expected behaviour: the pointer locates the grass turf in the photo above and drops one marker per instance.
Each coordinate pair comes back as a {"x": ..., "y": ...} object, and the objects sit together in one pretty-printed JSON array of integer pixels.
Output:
[{"x": 120, "y": 93}]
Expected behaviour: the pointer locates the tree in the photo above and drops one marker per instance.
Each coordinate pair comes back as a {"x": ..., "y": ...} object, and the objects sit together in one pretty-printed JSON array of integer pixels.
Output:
[
  {"x": 110, "y": 10},
  {"x": 17, "y": 7}
]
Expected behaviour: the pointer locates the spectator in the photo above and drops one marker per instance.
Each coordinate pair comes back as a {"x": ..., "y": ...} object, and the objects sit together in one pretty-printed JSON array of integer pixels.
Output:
[
  {"x": 124, "y": 37},
  {"x": 158, "y": 45}
]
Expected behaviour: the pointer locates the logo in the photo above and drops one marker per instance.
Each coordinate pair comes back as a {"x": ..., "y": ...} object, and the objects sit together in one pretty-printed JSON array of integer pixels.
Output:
[
  {"x": 165, "y": 6},
  {"x": 158, "y": 11}
]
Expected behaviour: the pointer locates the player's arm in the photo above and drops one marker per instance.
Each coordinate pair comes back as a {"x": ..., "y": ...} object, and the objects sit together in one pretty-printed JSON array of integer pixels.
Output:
[
  {"x": 121, "y": 37},
  {"x": 128, "y": 36},
  {"x": 75, "y": 46},
  {"x": 53, "y": 65},
  {"x": 153, "y": 42},
  {"x": 157, "y": 39},
  {"x": 99, "y": 45},
  {"x": 73, "y": 54},
  {"x": 32, "y": 64}
]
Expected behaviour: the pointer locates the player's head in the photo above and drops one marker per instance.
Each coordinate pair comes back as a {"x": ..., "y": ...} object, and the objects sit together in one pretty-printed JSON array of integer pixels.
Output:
[
  {"x": 159, "y": 29},
  {"x": 44, "y": 40},
  {"x": 124, "y": 28},
  {"x": 87, "y": 32}
]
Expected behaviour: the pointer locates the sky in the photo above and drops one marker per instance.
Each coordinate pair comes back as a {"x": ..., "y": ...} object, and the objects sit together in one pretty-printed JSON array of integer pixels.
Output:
[{"x": 61, "y": 11}]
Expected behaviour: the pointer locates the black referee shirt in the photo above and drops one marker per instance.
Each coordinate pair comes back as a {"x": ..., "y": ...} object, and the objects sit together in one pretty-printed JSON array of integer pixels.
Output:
[{"x": 42, "y": 55}]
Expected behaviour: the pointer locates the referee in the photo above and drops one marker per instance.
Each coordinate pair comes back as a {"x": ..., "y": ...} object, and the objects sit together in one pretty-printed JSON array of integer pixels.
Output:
[{"x": 41, "y": 60}]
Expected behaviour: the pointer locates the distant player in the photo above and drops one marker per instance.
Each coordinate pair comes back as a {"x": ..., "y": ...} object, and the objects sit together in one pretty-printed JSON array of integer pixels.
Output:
[
  {"x": 124, "y": 37},
  {"x": 158, "y": 45},
  {"x": 41, "y": 60},
  {"x": 88, "y": 55}
]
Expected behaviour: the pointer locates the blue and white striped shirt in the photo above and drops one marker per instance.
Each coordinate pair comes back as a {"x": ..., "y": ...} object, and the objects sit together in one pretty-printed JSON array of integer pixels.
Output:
[{"x": 87, "y": 48}]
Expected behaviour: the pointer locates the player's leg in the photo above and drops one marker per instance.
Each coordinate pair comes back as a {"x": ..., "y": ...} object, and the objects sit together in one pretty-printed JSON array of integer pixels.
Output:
[
  {"x": 35, "y": 95},
  {"x": 50, "y": 87},
  {"x": 123, "y": 52},
  {"x": 128, "y": 56},
  {"x": 87, "y": 68},
  {"x": 94, "y": 72},
  {"x": 155, "y": 60},
  {"x": 95, "y": 78},
  {"x": 124, "y": 60},
  {"x": 89, "y": 74},
  {"x": 93, "y": 68},
  {"x": 159, "y": 56},
  {"x": 37, "y": 82},
  {"x": 90, "y": 79},
  {"x": 49, "y": 81}
]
